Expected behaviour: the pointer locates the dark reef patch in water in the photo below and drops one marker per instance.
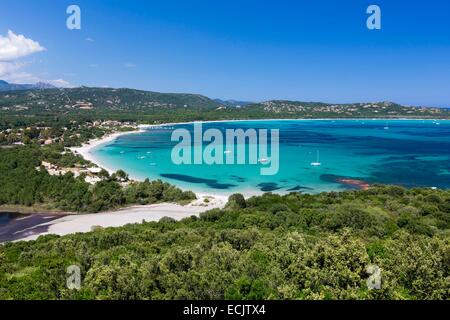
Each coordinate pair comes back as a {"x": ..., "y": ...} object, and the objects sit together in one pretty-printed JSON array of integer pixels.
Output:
[
  {"x": 347, "y": 182},
  {"x": 415, "y": 173},
  {"x": 212, "y": 183},
  {"x": 299, "y": 188},
  {"x": 434, "y": 134},
  {"x": 237, "y": 178},
  {"x": 268, "y": 186},
  {"x": 400, "y": 158}
]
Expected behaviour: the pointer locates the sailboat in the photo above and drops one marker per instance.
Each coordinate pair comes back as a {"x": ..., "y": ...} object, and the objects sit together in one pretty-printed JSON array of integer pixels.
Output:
[{"x": 317, "y": 163}]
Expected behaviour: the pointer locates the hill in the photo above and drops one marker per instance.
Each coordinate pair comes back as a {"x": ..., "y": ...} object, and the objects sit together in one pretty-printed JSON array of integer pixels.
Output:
[
  {"x": 349, "y": 110},
  {"x": 233, "y": 103},
  {"x": 5, "y": 86},
  {"x": 270, "y": 247},
  {"x": 104, "y": 98},
  {"x": 48, "y": 107}
]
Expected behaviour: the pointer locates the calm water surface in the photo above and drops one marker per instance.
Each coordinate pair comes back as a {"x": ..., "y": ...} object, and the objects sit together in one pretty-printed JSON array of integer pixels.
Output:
[{"x": 410, "y": 153}]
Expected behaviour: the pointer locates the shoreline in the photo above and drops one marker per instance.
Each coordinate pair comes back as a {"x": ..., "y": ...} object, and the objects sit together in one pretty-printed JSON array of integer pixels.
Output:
[
  {"x": 86, "y": 148},
  {"x": 143, "y": 126},
  {"x": 83, "y": 223},
  {"x": 70, "y": 223}
]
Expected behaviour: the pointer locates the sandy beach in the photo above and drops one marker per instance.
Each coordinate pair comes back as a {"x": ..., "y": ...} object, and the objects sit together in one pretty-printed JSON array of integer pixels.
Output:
[
  {"x": 136, "y": 214},
  {"x": 85, "y": 149}
]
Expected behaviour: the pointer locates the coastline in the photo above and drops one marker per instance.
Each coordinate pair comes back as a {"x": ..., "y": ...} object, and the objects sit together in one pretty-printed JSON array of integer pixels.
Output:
[
  {"x": 82, "y": 223},
  {"x": 144, "y": 126},
  {"x": 86, "y": 149},
  {"x": 64, "y": 223},
  {"x": 72, "y": 223}
]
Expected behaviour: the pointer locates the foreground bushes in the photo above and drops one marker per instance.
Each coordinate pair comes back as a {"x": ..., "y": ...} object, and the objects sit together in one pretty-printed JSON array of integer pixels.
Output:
[{"x": 269, "y": 247}]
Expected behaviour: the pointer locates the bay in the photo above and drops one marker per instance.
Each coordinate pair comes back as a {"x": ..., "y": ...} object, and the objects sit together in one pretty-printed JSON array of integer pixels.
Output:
[{"x": 353, "y": 154}]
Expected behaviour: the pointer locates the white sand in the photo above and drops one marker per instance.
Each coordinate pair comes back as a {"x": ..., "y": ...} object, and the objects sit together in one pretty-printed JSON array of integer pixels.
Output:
[
  {"x": 136, "y": 214},
  {"x": 86, "y": 149}
]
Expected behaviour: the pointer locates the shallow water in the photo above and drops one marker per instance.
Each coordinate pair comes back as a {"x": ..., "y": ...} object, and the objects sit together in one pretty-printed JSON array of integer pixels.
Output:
[{"x": 411, "y": 153}]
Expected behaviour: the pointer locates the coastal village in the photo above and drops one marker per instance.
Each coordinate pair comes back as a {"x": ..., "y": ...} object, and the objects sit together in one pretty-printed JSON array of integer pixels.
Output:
[
  {"x": 388, "y": 109},
  {"x": 65, "y": 139},
  {"x": 91, "y": 174},
  {"x": 45, "y": 135}
]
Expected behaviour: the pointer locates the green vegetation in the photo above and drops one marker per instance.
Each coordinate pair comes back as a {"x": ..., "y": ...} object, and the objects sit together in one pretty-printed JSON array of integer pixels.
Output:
[
  {"x": 73, "y": 116},
  {"x": 60, "y": 107},
  {"x": 24, "y": 182},
  {"x": 270, "y": 247}
]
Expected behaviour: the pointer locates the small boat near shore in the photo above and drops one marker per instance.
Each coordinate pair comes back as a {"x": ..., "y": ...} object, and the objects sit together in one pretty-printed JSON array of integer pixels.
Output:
[{"x": 317, "y": 163}]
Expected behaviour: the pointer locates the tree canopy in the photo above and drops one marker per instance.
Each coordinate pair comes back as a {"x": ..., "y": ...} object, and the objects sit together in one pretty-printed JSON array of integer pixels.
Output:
[{"x": 275, "y": 247}]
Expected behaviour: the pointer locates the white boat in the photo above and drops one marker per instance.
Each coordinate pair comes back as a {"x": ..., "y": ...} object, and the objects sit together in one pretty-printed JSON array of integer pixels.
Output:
[
  {"x": 317, "y": 163},
  {"x": 227, "y": 152},
  {"x": 263, "y": 160}
]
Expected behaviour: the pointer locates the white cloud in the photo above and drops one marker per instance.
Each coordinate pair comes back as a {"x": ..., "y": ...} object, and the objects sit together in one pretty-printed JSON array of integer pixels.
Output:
[
  {"x": 7, "y": 68},
  {"x": 90, "y": 39},
  {"x": 13, "y": 47},
  {"x": 21, "y": 77},
  {"x": 130, "y": 65}
]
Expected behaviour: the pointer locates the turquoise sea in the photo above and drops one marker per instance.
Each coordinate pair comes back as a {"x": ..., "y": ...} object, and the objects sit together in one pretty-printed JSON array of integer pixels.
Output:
[{"x": 410, "y": 153}]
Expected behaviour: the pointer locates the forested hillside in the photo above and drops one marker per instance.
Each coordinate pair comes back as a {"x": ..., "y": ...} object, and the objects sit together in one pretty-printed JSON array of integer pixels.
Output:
[
  {"x": 24, "y": 182},
  {"x": 270, "y": 247},
  {"x": 295, "y": 246},
  {"x": 58, "y": 107}
]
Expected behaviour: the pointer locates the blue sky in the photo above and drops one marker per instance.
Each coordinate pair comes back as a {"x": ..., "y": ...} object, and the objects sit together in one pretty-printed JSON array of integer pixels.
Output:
[{"x": 247, "y": 50}]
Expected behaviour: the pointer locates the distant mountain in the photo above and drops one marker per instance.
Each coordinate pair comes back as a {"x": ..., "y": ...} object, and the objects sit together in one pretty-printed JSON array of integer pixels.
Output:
[
  {"x": 5, "y": 86},
  {"x": 148, "y": 106},
  {"x": 233, "y": 103}
]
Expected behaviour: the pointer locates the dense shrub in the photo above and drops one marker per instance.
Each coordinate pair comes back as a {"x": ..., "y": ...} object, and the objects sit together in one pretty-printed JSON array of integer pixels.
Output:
[
  {"x": 277, "y": 247},
  {"x": 22, "y": 184}
]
